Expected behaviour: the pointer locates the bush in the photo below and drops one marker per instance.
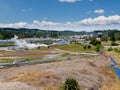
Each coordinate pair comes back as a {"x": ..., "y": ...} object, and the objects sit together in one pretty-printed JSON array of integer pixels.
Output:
[
  {"x": 94, "y": 41},
  {"x": 112, "y": 38},
  {"x": 65, "y": 54},
  {"x": 116, "y": 49},
  {"x": 114, "y": 43},
  {"x": 98, "y": 42},
  {"x": 104, "y": 38},
  {"x": 71, "y": 84},
  {"x": 98, "y": 47},
  {"x": 89, "y": 47},
  {"x": 85, "y": 46},
  {"x": 110, "y": 49}
]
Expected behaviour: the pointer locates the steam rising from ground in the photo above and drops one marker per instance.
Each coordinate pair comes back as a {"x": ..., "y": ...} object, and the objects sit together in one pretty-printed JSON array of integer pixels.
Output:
[{"x": 25, "y": 45}]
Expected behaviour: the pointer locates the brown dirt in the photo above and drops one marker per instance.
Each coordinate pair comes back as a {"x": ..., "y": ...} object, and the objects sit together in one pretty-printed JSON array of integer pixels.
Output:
[{"x": 51, "y": 76}]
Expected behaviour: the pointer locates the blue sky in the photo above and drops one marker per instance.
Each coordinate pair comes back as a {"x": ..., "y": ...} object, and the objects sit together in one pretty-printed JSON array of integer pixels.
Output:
[{"x": 73, "y": 15}]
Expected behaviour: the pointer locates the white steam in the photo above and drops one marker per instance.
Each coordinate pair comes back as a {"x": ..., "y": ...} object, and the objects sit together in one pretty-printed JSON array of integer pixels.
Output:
[{"x": 25, "y": 45}]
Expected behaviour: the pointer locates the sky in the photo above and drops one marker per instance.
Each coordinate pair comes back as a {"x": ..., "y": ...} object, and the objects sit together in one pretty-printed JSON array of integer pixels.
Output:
[{"x": 75, "y": 15}]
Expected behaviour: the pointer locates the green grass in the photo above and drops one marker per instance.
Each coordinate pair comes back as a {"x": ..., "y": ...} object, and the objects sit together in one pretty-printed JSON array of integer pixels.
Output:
[
  {"x": 33, "y": 59},
  {"x": 75, "y": 47},
  {"x": 108, "y": 43},
  {"x": 117, "y": 54},
  {"x": 11, "y": 60},
  {"x": 5, "y": 45},
  {"x": 44, "y": 42},
  {"x": 65, "y": 54},
  {"x": 7, "y": 61}
]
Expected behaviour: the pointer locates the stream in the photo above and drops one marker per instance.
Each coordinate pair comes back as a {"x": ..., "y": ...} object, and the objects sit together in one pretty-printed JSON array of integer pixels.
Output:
[{"x": 114, "y": 66}]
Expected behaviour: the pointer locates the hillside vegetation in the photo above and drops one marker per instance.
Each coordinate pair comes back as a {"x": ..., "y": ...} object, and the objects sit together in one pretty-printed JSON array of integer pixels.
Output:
[{"x": 7, "y": 33}]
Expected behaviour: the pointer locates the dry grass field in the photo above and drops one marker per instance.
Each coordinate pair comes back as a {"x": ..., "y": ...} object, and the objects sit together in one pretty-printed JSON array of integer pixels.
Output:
[{"x": 51, "y": 76}]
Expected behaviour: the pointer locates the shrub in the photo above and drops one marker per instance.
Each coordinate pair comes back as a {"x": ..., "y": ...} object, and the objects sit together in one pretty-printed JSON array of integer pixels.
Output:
[
  {"x": 94, "y": 41},
  {"x": 112, "y": 38},
  {"x": 98, "y": 42},
  {"x": 71, "y": 84},
  {"x": 99, "y": 47},
  {"x": 114, "y": 43},
  {"x": 116, "y": 49},
  {"x": 85, "y": 46},
  {"x": 104, "y": 38},
  {"x": 110, "y": 49},
  {"x": 65, "y": 54},
  {"x": 89, "y": 47}
]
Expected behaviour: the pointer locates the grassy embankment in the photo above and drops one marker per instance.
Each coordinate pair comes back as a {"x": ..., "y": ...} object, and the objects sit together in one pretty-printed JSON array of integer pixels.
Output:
[
  {"x": 6, "y": 60},
  {"x": 38, "y": 54},
  {"x": 75, "y": 47},
  {"x": 68, "y": 47}
]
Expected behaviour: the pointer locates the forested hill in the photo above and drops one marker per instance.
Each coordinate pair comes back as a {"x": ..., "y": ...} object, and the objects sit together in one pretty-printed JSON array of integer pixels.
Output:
[{"x": 7, "y": 33}]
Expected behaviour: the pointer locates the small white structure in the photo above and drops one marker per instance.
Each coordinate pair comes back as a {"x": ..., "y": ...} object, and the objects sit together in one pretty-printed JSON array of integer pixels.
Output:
[{"x": 60, "y": 42}]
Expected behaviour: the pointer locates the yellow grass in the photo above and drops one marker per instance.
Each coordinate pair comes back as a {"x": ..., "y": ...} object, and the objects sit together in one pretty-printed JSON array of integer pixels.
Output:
[
  {"x": 33, "y": 78},
  {"x": 112, "y": 83}
]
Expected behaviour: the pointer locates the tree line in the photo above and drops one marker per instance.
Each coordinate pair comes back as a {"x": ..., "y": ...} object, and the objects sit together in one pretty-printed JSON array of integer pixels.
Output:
[{"x": 7, "y": 33}]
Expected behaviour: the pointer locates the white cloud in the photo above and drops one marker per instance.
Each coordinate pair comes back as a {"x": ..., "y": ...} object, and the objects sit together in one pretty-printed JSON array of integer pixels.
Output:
[
  {"x": 27, "y": 10},
  {"x": 89, "y": 24},
  {"x": 16, "y": 25},
  {"x": 70, "y": 1},
  {"x": 99, "y": 11},
  {"x": 102, "y": 20}
]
